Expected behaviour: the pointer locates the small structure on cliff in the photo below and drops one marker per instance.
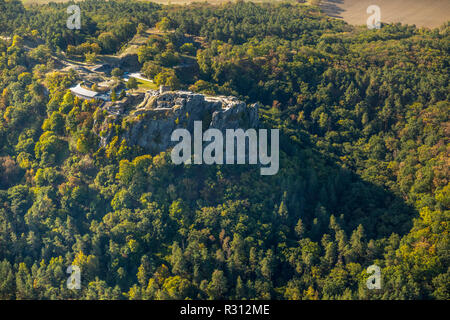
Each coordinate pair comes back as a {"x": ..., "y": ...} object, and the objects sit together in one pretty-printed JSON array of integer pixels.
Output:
[{"x": 163, "y": 89}]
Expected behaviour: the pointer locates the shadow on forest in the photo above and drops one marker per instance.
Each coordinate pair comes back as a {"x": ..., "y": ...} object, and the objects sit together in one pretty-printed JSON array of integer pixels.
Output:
[
  {"x": 323, "y": 182},
  {"x": 332, "y": 8},
  {"x": 312, "y": 185}
]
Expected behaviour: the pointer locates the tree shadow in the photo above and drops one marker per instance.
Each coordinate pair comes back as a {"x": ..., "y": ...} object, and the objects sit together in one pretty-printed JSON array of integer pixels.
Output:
[
  {"x": 332, "y": 8},
  {"x": 312, "y": 186},
  {"x": 324, "y": 188}
]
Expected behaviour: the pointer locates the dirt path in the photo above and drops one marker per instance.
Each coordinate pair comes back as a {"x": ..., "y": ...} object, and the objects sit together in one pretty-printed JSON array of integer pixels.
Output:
[{"x": 422, "y": 13}]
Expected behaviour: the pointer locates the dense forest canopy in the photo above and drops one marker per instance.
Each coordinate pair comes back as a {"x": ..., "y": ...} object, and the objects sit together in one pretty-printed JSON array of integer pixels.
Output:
[{"x": 364, "y": 167}]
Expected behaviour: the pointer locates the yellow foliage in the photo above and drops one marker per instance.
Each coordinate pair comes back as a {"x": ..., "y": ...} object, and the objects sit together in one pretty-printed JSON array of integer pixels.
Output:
[{"x": 310, "y": 294}]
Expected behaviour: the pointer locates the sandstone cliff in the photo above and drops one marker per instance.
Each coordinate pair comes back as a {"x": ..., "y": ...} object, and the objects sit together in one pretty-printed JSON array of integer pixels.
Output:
[{"x": 149, "y": 120}]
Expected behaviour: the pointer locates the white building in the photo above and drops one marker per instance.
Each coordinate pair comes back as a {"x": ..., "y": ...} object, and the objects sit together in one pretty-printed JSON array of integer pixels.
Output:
[{"x": 86, "y": 94}]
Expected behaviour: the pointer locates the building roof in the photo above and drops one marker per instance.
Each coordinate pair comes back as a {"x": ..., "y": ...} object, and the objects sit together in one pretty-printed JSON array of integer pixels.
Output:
[{"x": 83, "y": 93}]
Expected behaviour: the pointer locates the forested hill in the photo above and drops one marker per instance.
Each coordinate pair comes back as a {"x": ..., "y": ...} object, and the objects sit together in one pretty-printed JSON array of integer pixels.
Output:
[{"x": 364, "y": 166}]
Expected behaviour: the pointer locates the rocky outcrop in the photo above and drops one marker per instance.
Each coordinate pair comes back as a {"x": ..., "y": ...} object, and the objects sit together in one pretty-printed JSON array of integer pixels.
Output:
[
  {"x": 121, "y": 106},
  {"x": 129, "y": 62},
  {"x": 153, "y": 117}
]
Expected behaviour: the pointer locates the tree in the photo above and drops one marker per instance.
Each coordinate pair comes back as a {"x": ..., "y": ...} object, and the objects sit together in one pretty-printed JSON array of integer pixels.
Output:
[
  {"x": 10, "y": 172},
  {"x": 151, "y": 69},
  {"x": 141, "y": 28},
  {"x": 299, "y": 229},
  {"x": 113, "y": 95},
  {"x": 217, "y": 287},
  {"x": 24, "y": 283},
  {"x": 164, "y": 24},
  {"x": 108, "y": 42},
  {"x": 240, "y": 289},
  {"x": 49, "y": 148},
  {"x": 132, "y": 84},
  {"x": 117, "y": 72},
  {"x": 55, "y": 123},
  {"x": 188, "y": 48},
  {"x": 6, "y": 281},
  {"x": 177, "y": 260},
  {"x": 167, "y": 78},
  {"x": 90, "y": 57}
]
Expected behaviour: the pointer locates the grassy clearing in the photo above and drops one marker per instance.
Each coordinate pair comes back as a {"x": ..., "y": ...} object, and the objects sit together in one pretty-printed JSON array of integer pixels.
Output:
[{"x": 142, "y": 84}]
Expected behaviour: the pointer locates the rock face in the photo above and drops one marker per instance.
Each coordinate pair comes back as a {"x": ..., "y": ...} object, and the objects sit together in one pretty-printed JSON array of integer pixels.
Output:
[{"x": 149, "y": 120}]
